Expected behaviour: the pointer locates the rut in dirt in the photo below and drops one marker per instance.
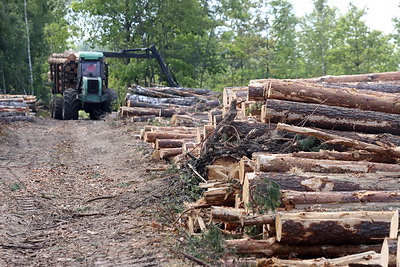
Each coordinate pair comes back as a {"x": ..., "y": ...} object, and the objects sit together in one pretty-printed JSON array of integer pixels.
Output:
[{"x": 79, "y": 193}]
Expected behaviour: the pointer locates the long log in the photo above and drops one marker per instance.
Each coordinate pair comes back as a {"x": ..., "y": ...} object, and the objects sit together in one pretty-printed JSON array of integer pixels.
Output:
[
  {"x": 369, "y": 77},
  {"x": 167, "y": 153},
  {"x": 332, "y": 138},
  {"x": 369, "y": 258},
  {"x": 329, "y": 117},
  {"x": 129, "y": 112},
  {"x": 347, "y": 156},
  {"x": 314, "y": 93},
  {"x": 184, "y": 101},
  {"x": 390, "y": 252},
  {"x": 238, "y": 216},
  {"x": 139, "y": 90},
  {"x": 220, "y": 197},
  {"x": 291, "y": 197},
  {"x": 171, "y": 143},
  {"x": 284, "y": 163},
  {"x": 315, "y": 182},
  {"x": 286, "y": 251},
  {"x": 371, "y": 86},
  {"x": 334, "y": 228},
  {"x": 151, "y": 137}
]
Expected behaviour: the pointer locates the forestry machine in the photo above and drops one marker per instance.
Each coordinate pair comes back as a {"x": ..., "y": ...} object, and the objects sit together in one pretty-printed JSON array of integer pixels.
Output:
[{"x": 81, "y": 82}]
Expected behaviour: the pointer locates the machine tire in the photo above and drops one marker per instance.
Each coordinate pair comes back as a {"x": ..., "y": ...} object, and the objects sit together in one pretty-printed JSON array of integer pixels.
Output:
[
  {"x": 111, "y": 100},
  {"x": 97, "y": 114},
  {"x": 56, "y": 107},
  {"x": 70, "y": 105}
]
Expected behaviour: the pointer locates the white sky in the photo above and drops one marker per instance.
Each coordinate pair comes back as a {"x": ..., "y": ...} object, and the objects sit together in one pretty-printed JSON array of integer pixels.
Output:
[{"x": 379, "y": 13}]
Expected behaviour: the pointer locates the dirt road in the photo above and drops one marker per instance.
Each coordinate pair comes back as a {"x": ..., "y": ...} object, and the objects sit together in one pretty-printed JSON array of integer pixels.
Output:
[{"x": 79, "y": 193}]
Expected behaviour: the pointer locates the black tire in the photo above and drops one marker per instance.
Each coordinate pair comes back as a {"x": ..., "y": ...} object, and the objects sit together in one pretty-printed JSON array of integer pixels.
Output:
[
  {"x": 97, "y": 114},
  {"x": 111, "y": 100},
  {"x": 56, "y": 107},
  {"x": 70, "y": 105}
]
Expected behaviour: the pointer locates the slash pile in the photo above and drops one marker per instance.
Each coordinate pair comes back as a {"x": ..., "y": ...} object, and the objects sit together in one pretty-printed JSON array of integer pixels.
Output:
[{"x": 304, "y": 172}]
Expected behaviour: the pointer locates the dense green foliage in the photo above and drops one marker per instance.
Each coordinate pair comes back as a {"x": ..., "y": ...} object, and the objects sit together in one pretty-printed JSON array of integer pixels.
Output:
[{"x": 206, "y": 43}]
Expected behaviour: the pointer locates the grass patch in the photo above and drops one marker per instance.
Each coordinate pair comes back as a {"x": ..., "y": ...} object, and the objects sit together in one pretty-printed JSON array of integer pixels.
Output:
[{"x": 16, "y": 187}]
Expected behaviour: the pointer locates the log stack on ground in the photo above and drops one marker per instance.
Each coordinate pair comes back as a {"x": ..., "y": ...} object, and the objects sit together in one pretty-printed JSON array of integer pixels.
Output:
[{"x": 17, "y": 107}]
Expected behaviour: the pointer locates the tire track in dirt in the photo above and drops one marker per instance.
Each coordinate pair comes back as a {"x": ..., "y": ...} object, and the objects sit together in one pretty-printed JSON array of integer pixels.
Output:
[{"x": 76, "y": 193}]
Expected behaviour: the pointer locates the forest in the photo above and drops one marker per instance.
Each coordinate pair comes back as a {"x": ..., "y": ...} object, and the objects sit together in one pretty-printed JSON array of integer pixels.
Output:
[{"x": 207, "y": 44}]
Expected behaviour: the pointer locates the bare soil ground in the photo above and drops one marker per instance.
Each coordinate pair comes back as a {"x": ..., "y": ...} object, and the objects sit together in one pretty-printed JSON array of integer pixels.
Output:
[{"x": 81, "y": 193}]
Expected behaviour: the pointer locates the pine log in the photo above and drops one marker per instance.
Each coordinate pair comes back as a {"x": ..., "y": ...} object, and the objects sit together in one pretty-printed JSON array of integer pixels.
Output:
[
  {"x": 390, "y": 252},
  {"x": 369, "y": 258},
  {"x": 329, "y": 117},
  {"x": 171, "y": 143},
  {"x": 369, "y": 77},
  {"x": 346, "y": 156},
  {"x": 335, "y": 228},
  {"x": 131, "y": 103},
  {"x": 220, "y": 197},
  {"x": 228, "y": 91},
  {"x": 151, "y": 137},
  {"x": 184, "y": 101},
  {"x": 314, "y": 93},
  {"x": 286, "y": 251},
  {"x": 238, "y": 216},
  {"x": 332, "y": 138},
  {"x": 183, "y": 92},
  {"x": 372, "y": 86},
  {"x": 142, "y": 118},
  {"x": 128, "y": 112},
  {"x": 284, "y": 163},
  {"x": 186, "y": 120},
  {"x": 168, "y": 153},
  {"x": 315, "y": 182},
  {"x": 139, "y": 90},
  {"x": 291, "y": 197}
]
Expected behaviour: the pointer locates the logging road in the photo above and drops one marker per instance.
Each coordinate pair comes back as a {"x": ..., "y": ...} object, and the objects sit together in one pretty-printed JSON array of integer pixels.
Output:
[{"x": 80, "y": 193}]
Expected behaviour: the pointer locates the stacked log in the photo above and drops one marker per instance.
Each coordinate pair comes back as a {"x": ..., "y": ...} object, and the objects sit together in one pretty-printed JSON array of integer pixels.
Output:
[
  {"x": 331, "y": 203},
  {"x": 166, "y": 102},
  {"x": 63, "y": 70},
  {"x": 17, "y": 107}
]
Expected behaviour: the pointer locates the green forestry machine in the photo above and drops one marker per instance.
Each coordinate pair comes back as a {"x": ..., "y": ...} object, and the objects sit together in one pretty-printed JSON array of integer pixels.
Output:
[{"x": 80, "y": 81}]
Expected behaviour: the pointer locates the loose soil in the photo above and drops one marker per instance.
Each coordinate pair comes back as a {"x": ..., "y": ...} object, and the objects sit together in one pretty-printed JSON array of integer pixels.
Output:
[{"x": 81, "y": 193}]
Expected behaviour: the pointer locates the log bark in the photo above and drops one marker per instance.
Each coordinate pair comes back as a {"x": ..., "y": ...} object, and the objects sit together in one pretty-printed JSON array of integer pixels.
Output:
[
  {"x": 335, "y": 228},
  {"x": 151, "y": 137},
  {"x": 171, "y": 143},
  {"x": 184, "y": 101},
  {"x": 142, "y": 118},
  {"x": 129, "y": 112},
  {"x": 371, "y": 86},
  {"x": 168, "y": 153},
  {"x": 132, "y": 104},
  {"x": 369, "y": 77},
  {"x": 284, "y": 163},
  {"x": 314, "y": 93},
  {"x": 332, "y": 138},
  {"x": 220, "y": 197},
  {"x": 346, "y": 156},
  {"x": 228, "y": 91},
  {"x": 291, "y": 197},
  {"x": 139, "y": 90},
  {"x": 315, "y": 182},
  {"x": 286, "y": 251},
  {"x": 329, "y": 117},
  {"x": 369, "y": 258},
  {"x": 390, "y": 252},
  {"x": 186, "y": 120},
  {"x": 238, "y": 216}
]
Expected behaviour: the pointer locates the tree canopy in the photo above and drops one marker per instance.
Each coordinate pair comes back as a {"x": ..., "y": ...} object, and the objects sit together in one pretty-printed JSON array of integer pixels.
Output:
[{"x": 206, "y": 43}]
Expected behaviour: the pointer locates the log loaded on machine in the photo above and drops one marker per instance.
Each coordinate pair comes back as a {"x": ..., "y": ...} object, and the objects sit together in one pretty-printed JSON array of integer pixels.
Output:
[{"x": 80, "y": 81}]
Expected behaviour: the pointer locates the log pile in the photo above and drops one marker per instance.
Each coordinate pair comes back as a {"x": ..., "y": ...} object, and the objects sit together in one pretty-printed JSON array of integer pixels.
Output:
[
  {"x": 338, "y": 204},
  {"x": 17, "y": 107},
  {"x": 142, "y": 104},
  {"x": 69, "y": 62}
]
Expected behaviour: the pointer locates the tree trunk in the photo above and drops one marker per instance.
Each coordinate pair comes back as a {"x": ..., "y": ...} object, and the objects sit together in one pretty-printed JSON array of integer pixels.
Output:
[
  {"x": 329, "y": 117},
  {"x": 151, "y": 137},
  {"x": 314, "y": 93},
  {"x": 184, "y": 101},
  {"x": 286, "y": 251},
  {"x": 315, "y": 182},
  {"x": 335, "y": 139},
  {"x": 238, "y": 216},
  {"x": 346, "y": 156},
  {"x": 171, "y": 143},
  {"x": 167, "y": 153},
  {"x": 335, "y": 228},
  {"x": 284, "y": 163},
  {"x": 369, "y": 77},
  {"x": 378, "y": 87},
  {"x": 220, "y": 197},
  {"x": 130, "y": 112}
]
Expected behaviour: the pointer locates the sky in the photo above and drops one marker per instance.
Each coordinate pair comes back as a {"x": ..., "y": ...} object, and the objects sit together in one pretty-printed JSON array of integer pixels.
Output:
[{"x": 379, "y": 13}]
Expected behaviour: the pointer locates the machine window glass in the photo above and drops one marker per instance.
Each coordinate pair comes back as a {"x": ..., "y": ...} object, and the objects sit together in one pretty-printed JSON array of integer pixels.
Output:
[{"x": 91, "y": 69}]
